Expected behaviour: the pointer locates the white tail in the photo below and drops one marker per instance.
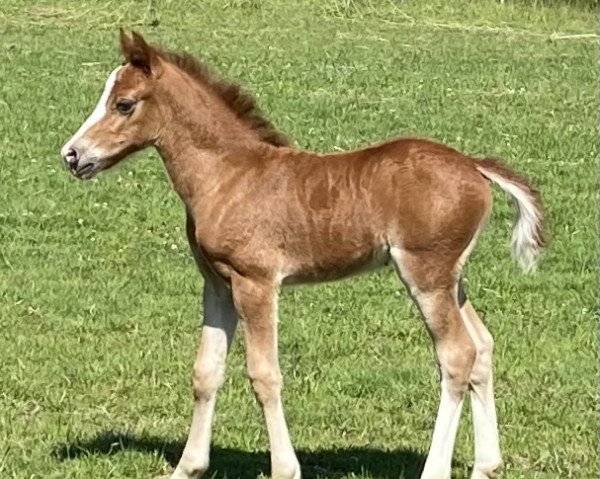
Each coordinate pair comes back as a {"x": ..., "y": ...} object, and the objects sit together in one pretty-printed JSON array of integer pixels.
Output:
[{"x": 528, "y": 237}]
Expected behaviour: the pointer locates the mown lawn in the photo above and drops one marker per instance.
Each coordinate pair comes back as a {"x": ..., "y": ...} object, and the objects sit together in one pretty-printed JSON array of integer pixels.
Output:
[{"x": 99, "y": 298}]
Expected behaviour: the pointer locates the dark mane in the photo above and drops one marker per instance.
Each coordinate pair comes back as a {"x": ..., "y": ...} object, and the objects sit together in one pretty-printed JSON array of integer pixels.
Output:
[{"x": 239, "y": 102}]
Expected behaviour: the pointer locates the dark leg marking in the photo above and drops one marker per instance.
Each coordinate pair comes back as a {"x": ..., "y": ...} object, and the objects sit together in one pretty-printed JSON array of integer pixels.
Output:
[{"x": 461, "y": 296}]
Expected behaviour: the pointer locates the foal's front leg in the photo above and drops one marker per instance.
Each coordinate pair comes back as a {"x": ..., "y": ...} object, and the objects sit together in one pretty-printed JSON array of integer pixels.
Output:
[
  {"x": 256, "y": 303},
  {"x": 220, "y": 321}
]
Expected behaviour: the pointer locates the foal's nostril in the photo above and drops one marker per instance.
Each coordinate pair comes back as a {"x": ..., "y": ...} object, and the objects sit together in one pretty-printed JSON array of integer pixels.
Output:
[{"x": 71, "y": 158}]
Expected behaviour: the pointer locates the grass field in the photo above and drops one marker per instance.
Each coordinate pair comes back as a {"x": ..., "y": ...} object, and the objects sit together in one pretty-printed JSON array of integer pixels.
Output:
[{"x": 99, "y": 298}]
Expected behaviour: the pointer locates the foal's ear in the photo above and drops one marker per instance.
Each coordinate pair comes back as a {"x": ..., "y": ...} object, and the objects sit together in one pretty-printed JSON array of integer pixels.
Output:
[{"x": 137, "y": 52}]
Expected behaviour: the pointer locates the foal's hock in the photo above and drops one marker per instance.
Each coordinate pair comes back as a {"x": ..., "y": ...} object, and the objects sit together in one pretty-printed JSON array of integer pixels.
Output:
[{"x": 261, "y": 214}]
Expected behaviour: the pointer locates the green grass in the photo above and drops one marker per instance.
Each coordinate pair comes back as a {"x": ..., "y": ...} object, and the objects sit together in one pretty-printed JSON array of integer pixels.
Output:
[{"x": 99, "y": 298}]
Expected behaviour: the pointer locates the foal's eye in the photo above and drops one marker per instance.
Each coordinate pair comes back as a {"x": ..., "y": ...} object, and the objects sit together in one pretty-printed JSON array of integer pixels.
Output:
[{"x": 125, "y": 107}]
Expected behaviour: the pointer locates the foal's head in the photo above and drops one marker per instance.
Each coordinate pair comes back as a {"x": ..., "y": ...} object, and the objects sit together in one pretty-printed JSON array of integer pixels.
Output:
[
  {"x": 144, "y": 96},
  {"x": 127, "y": 117}
]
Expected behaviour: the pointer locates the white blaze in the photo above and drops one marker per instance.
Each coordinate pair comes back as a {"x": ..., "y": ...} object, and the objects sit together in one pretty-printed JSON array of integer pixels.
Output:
[{"x": 96, "y": 115}]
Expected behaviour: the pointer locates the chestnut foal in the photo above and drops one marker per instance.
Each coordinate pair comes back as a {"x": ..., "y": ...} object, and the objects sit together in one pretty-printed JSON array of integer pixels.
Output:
[{"x": 261, "y": 214}]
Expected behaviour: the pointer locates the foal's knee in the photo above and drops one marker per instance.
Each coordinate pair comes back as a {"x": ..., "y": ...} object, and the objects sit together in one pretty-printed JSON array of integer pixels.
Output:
[
  {"x": 206, "y": 380},
  {"x": 457, "y": 361}
]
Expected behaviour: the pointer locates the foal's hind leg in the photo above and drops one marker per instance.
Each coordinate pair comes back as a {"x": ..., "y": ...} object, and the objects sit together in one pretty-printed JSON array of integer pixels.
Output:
[
  {"x": 488, "y": 460},
  {"x": 433, "y": 287}
]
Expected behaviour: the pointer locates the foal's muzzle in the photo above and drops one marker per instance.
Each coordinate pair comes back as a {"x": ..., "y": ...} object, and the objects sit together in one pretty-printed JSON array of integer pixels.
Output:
[
  {"x": 81, "y": 168},
  {"x": 71, "y": 159}
]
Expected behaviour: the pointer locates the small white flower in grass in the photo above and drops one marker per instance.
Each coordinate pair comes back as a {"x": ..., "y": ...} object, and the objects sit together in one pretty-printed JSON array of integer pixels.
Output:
[{"x": 174, "y": 247}]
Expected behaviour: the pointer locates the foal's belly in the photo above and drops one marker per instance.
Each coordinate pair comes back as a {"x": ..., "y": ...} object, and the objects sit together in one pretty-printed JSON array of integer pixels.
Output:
[{"x": 334, "y": 267}]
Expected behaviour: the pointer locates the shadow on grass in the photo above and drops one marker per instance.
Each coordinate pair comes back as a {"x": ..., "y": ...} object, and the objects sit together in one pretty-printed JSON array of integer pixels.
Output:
[{"x": 234, "y": 463}]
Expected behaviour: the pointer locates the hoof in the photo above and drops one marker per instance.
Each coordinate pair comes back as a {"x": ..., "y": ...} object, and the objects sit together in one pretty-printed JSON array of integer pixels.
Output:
[
  {"x": 487, "y": 472},
  {"x": 287, "y": 472}
]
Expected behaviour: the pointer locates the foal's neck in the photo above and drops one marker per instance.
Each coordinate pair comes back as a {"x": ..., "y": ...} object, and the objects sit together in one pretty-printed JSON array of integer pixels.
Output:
[{"x": 198, "y": 131}]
